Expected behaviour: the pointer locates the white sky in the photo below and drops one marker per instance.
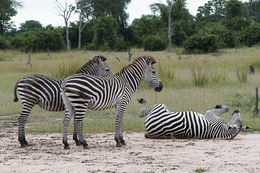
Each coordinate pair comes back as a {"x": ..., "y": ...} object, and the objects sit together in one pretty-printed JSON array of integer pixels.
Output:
[{"x": 45, "y": 11}]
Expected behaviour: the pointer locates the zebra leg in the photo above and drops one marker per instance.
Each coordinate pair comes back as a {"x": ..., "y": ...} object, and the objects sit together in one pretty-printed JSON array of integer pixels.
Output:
[
  {"x": 75, "y": 136},
  {"x": 82, "y": 141},
  {"x": 66, "y": 122},
  {"x": 21, "y": 124},
  {"x": 121, "y": 133},
  {"x": 79, "y": 116},
  {"x": 119, "y": 126}
]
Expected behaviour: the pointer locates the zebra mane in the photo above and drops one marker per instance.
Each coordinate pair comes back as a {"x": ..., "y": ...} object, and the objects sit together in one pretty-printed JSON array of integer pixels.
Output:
[
  {"x": 148, "y": 59},
  {"x": 92, "y": 61}
]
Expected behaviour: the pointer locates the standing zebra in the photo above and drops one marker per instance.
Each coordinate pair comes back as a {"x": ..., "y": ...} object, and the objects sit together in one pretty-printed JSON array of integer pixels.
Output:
[
  {"x": 45, "y": 91},
  {"x": 81, "y": 92},
  {"x": 161, "y": 123}
]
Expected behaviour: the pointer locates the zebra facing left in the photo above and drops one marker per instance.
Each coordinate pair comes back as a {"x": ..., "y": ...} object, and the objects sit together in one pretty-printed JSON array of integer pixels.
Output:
[
  {"x": 45, "y": 91},
  {"x": 82, "y": 92},
  {"x": 162, "y": 123}
]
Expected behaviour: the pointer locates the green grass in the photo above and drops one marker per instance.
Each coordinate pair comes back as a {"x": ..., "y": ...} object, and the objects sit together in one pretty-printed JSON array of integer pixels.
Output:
[
  {"x": 200, "y": 170},
  {"x": 180, "y": 92}
]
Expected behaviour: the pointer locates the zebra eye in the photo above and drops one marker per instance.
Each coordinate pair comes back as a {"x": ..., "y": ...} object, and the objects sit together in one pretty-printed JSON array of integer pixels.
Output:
[
  {"x": 153, "y": 72},
  {"x": 107, "y": 69}
]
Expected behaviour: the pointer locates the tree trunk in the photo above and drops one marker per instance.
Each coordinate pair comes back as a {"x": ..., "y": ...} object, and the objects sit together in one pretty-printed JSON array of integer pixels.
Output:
[
  {"x": 67, "y": 35},
  {"x": 170, "y": 28},
  {"x": 80, "y": 25}
]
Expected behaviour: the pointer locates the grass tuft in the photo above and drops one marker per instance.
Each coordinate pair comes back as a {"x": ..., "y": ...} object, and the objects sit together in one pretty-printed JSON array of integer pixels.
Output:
[
  {"x": 200, "y": 170},
  {"x": 242, "y": 73}
]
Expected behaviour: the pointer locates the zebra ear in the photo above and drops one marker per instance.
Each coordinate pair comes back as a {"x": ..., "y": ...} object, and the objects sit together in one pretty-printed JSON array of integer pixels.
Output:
[
  {"x": 98, "y": 59},
  {"x": 103, "y": 58},
  {"x": 151, "y": 60},
  {"x": 218, "y": 107}
]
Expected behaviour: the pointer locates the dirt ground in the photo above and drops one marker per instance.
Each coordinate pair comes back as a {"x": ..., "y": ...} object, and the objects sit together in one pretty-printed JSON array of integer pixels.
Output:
[{"x": 46, "y": 154}]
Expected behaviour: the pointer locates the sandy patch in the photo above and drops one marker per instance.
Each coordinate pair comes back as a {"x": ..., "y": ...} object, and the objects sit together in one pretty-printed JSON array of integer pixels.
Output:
[{"x": 46, "y": 154}]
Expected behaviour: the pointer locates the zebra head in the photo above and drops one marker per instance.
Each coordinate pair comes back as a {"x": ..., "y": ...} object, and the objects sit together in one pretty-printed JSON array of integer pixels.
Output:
[
  {"x": 102, "y": 67},
  {"x": 235, "y": 121},
  {"x": 150, "y": 75}
]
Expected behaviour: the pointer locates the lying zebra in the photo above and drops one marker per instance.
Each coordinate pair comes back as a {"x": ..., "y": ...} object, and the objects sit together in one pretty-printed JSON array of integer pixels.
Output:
[
  {"x": 45, "y": 91},
  {"x": 161, "y": 123}
]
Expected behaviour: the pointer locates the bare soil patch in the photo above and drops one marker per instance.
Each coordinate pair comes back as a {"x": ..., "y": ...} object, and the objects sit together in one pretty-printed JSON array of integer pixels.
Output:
[{"x": 46, "y": 154}]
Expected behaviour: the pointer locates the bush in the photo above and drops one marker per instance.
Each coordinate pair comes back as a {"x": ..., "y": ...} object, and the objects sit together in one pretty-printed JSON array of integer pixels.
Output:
[
  {"x": 220, "y": 30},
  {"x": 38, "y": 40},
  {"x": 154, "y": 43},
  {"x": 4, "y": 44},
  {"x": 203, "y": 43},
  {"x": 119, "y": 44},
  {"x": 251, "y": 35}
]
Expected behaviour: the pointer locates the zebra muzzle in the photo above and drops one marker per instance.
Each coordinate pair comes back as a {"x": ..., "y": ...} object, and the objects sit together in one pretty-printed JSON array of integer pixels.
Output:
[{"x": 159, "y": 88}]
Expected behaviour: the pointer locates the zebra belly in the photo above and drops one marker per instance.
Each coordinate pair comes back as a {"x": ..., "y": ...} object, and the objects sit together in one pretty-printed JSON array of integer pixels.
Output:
[
  {"x": 179, "y": 124},
  {"x": 164, "y": 124},
  {"x": 196, "y": 126}
]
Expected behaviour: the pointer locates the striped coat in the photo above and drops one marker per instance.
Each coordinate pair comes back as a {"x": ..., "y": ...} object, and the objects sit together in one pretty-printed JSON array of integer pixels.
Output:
[{"x": 162, "y": 123}]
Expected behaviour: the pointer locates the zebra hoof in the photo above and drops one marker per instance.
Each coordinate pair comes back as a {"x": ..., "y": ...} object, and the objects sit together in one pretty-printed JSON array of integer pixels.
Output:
[
  {"x": 78, "y": 144},
  {"x": 23, "y": 145},
  {"x": 86, "y": 147},
  {"x": 123, "y": 143},
  {"x": 66, "y": 147},
  {"x": 119, "y": 145}
]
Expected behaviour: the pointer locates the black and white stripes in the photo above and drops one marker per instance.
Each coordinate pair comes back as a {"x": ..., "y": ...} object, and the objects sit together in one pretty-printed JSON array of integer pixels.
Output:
[
  {"x": 81, "y": 92},
  {"x": 162, "y": 123},
  {"x": 45, "y": 91}
]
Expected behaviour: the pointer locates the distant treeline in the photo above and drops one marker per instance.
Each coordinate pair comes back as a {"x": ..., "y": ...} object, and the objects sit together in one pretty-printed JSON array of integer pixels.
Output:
[{"x": 217, "y": 24}]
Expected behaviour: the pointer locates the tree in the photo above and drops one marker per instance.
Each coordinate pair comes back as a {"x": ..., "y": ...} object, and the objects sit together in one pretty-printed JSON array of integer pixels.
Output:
[
  {"x": 146, "y": 26},
  {"x": 85, "y": 11},
  {"x": 7, "y": 10},
  {"x": 212, "y": 11},
  {"x": 180, "y": 23},
  {"x": 254, "y": 10},
  {"x": 65, "y": 12},
  {"x": 114, "y": 8},
  {"x": 30, "y": 24},
  {"x": 170, "y": 4},
  {"x": 234, "y": 9}
]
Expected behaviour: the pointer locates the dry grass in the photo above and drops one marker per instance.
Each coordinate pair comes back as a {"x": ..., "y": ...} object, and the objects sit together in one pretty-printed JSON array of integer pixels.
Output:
[{"x": 180, "y": 92}]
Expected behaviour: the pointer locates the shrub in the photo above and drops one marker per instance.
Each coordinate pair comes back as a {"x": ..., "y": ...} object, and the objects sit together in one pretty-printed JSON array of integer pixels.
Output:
[
  {"x": 203, "y": 43},
  {"x": 154, "y": 43},
  {"x": 4, "y": 44},
  {"x": 251, "y": 35},
  {"x": 220, "y": 30},
  {"x": 38, "y": 39},
  {"x": 118, "y": 44}
]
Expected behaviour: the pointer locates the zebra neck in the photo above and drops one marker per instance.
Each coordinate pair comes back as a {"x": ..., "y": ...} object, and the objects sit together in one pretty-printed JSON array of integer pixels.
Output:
[
  {"x": 89, "y": 68},
  {"x": 228, "y": 133},
  {"x": 133, "y": 76}
]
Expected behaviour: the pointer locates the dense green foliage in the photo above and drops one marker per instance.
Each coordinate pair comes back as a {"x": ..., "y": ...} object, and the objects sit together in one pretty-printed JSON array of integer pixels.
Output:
[
  {"x": 103, "y": 26},
  {"x": 153, "y": 43},
  {"x": 203, "y": 43}
]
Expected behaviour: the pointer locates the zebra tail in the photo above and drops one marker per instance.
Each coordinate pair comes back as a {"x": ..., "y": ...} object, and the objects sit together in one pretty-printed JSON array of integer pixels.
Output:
[{"x": 15, "y": 91}]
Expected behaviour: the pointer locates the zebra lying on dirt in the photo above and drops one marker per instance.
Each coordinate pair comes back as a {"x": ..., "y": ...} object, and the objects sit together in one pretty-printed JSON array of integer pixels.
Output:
[
  {"x": 82, "y": 92},
  {"x": 162, "y": 123},
  {"x": 45, "y": 91}
]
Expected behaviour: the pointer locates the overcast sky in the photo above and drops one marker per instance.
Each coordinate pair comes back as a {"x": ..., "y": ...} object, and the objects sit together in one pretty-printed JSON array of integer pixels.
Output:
[{"x": 45, "y": 11}]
